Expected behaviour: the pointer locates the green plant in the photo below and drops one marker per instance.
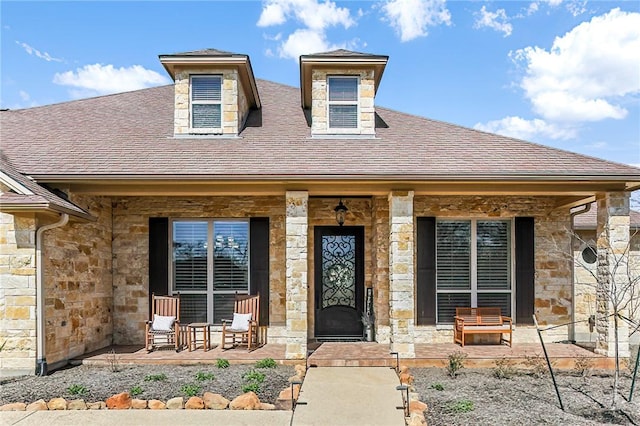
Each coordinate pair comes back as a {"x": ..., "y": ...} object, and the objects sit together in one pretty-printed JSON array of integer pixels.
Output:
[
  {"x": 503, "y": 369},
  {"x": 222, "y": 363},
  {"x": 77, "y": 389},
  {"x": 190, "y": 389},
  {"x": 254, "y": 376},
  {"x": 437, "y": 386},
  {"x": 462, "y": 406},
  {"x": 251, "y": 387},
  {"x": 266, "y": 363},
  {"x": 135, "y": 391},
  {"x": 456, "y": 363},
  {"x": 201, "y": 377},
  {"x": 155, "y": 377}
]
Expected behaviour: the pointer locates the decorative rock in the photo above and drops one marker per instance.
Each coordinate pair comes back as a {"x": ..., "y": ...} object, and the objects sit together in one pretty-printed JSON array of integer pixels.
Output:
[
  {"x": 16, "y": 406},
  {"x": 404, "y": 369},
  {"x": 57, "y": 404},
  {"x": 283, "y": 404},
  {"x": 121, "y": 401},
  {"x": 301, "y": 370},
  {"x": 246, "y": 401},
  {"x": 286, "y": 393},
  {"x": 138, "y": 404},
  {"x": 194, "y": 403},
  {"x": 155, "y": 404},
  {"x": 99, "y": 405},
  {"x": 76, "y": 404},
  {"x": 215, "y": 401},
  {"x": 414, "y": 396},
  {"x": 39, "y": 405},
  {"x": 406, "y": 379},
  {"x": 265, "y": 406},
  {"x": 417, "y": 407},
  {"x": 417, "y": 419},
  {"x": 295, "y": 378},
  {"x": 176, "y": 403}
]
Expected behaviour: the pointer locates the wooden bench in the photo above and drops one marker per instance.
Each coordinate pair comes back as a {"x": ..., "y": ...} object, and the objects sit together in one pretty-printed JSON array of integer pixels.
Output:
[{"x": 481, "y": 320}]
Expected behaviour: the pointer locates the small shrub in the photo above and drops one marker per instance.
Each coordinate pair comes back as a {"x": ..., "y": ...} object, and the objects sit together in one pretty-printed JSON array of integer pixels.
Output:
[
  {"x": 77, "y": 389},
  {"x": 537, "y": 365},
  {"x": 266, "y": 363},
  {"x": 190, "y": 389},
  {"x": 201, "y": 377},
  {"x": 456, "y": 363},
  {"x": 113, "y": 360},
  {"x": 155, "y": 377},
  {"x": 254, "y": 376},
  {"x": 583, "y": 366},
  {"x": 503, "y": 369},
  {"x": 462, "y": 406},
  {"x": 222, "y": 363},
  {"x": 251, "y": 387},
  {"x": 135, "y": 391},
  {"x": 437, "y": 386}
]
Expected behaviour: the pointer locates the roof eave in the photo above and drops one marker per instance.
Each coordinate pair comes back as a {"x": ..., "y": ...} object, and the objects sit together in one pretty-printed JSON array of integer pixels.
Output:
[{"x": 43, "y": 207}]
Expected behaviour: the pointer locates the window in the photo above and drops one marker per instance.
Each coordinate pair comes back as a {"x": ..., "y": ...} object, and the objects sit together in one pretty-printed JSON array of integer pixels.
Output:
[
  {"x": 473, "y": 266},
  {"x": 343, "y": 102},
  {"x": 206, "y": 101},
  {"x": 210, "y": 264}
]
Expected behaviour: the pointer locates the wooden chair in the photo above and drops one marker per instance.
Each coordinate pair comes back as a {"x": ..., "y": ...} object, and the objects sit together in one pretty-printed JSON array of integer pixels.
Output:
[
  {"x": 244, "y": 329},
  {"x": 164, "y": 325}
]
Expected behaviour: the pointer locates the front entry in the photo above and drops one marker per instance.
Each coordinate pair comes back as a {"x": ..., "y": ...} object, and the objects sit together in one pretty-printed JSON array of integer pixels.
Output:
[{"x": 339, "y": 282}]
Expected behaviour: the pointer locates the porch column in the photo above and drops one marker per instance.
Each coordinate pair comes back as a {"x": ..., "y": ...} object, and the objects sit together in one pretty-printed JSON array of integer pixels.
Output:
[
  {"x": 401, "y": 276},
  {"x": 613, "y": 256},
  {"x": 297, "y": 226}
]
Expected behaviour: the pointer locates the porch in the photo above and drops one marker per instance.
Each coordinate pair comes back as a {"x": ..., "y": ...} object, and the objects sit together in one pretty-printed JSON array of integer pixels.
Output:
[{"x": 352, "y": 354}]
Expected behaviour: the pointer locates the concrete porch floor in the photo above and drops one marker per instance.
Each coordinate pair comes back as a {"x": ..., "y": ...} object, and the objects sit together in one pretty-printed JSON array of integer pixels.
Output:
[{"x": 362, "y": 354}]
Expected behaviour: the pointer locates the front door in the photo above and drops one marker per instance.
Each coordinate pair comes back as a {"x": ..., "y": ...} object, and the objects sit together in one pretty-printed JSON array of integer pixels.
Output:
[{"x": 339, "y": 282}]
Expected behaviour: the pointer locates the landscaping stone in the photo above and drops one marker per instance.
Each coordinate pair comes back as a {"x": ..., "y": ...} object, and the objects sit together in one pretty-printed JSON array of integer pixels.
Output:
[
  {"x": 215, "y": 401},
  {"x": 283, "y": 404},
  {"x": 77, "y": 404},
  {"x": 155, "y": 404},
  {"x": 16, "y": 406},
  {"x": 39, "y": 405},
  {"x": 138, "y": 404},
  {"x": 417, "y": 419},
  {"x": 57, "y": 404},
  {"x": 286, "y": 393},
  {"x": 417, "y": 407},
  {"x": 414, "y": 396},
  {"x": 406, "y": 379},
  {"x": 267, "y": 406},
  {"x": 194, "y": 403},
  {"x": 176, "y": 403},
  {"x": 98, "y": 405},
  {"x": 295, "y": 378},
  {"x": 301, "y": 370},
  {"x": 121, "y": 401},
  {"x": 246, "y": 401},
  {"x": 404, "y": 369}
]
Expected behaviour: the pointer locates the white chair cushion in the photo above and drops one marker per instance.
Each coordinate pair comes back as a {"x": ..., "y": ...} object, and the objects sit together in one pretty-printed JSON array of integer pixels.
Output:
[
  {"x": 241, "y": 322},
  {"x": 162, "y": 323}
]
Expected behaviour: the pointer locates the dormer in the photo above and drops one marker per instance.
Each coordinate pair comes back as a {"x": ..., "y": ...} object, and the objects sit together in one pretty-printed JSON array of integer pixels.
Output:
[
  {"x": 214, "y": 91},
  {"x": 339, "y": 88}
]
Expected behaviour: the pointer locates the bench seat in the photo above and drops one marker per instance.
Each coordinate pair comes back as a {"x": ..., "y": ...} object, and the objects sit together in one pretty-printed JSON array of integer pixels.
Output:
[{"x": 481, "y": 320}]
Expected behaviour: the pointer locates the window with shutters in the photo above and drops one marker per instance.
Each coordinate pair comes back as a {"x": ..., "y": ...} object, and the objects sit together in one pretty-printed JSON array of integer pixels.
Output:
[
  {"x": 206, "y": 102},
  {"x": 210, "y": 264},
  {"x": 473, "y": 266},
  {"x": 342, "y": 102}
]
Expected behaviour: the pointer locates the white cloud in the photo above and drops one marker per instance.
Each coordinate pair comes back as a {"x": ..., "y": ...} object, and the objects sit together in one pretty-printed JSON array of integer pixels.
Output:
[
  {"x": 497, "y": 20},
  {"x": 311, "y": 13},
  {"x": 533, "y": 8},
  {"x": 98, "y": 79},
  {"x": 577, "y": 7},
  {"x": 33, "y": 51},
  {"x": 586, "y": 73},
  {"x": 517, "y": 127},
  {"x": 411, "y": 18},
  {"x": 24, "y": 95},
  {"x": 553, "y": 3}
]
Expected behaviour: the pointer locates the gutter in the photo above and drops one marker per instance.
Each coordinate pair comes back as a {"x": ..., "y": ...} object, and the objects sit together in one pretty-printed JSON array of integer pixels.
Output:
[
  {"x": 572, "y": 328},
  {"x": 41, "y": 358}
]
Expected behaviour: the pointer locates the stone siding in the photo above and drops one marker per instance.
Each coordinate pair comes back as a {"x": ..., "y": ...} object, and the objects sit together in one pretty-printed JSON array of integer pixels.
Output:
[
  {"x": 380, "y": 267},
  {"x": 131, "y": 251},
  {"x": 319, "y": 102}
]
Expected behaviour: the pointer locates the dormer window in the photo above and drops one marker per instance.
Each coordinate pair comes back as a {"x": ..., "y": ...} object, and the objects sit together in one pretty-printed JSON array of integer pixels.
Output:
[
  {"x": 343, "y": 102},
  {"x": 206, "y": 102}
]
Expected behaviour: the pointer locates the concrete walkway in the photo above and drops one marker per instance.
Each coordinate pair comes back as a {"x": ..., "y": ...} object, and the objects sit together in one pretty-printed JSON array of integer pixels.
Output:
[{"x": 349, "y": 396}]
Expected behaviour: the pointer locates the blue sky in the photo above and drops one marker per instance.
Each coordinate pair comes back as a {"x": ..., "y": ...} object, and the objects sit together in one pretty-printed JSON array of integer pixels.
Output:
[{"x": 563, "y": 73}]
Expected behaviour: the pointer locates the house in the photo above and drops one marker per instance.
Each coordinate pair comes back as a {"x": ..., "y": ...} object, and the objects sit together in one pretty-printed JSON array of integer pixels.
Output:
[{"x": 224, "y": 183}]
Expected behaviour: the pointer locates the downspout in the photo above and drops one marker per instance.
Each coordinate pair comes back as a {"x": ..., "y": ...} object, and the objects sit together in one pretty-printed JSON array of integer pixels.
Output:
[
  {"x": 572, "y": 327},
  {"x": 41, "y": 358}
]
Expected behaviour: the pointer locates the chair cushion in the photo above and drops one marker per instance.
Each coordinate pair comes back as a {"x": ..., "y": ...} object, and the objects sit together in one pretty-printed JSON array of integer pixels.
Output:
[
  {"x": 162, "y": 323},
  {"x": 241, "y": 322}
]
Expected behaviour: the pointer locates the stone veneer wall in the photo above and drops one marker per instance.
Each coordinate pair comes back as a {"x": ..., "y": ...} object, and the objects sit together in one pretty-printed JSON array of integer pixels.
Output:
[
  {"x": 131, "y": 251},
  {"x": 17, "y": 294},
  {"x": 380, "y": 267},
  {"x": 234, "y": 101},
  {"x": 78, "y": 283},
  {"x": 553, "y": 286},
  {"x": 319, "y": 102}
]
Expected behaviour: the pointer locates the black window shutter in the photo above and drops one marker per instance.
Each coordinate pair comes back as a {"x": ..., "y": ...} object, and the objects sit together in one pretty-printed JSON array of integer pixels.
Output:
[
  {"x": 158, "y": 256},
  {"x": 525, "y": 270},
  {"x": 426, "y": 265},
  {"x": 259, "y": 263}
]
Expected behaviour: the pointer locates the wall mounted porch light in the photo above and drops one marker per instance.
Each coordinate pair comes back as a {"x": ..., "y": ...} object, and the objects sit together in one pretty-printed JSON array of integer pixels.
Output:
[{"x": 341, "y": 212}]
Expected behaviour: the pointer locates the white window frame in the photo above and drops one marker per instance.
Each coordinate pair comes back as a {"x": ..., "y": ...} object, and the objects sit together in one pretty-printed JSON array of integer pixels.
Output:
[
  {"x": 210, "y": 292},
  {"x": 474, "y": 263},
  {"x": 192, "y": 102},
  {"x": 348, "y": 103}
]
